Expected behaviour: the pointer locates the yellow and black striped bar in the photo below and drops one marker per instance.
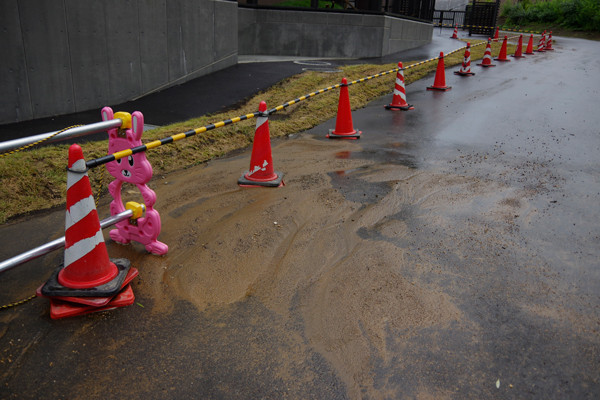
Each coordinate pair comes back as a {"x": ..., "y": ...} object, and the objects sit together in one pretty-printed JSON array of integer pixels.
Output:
[
  {"x": 173, "y": 138},
  {"x": 302, "y": 98}
]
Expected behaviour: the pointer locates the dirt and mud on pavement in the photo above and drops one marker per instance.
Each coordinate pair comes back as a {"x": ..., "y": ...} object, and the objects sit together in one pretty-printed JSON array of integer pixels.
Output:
[{"x": 451, "y": 252}]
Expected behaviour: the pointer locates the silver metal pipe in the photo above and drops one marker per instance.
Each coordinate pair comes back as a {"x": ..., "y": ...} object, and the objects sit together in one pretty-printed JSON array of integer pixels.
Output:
[
  {"x": 70, "y": 133},
  {"x": 56, "y": 244}
]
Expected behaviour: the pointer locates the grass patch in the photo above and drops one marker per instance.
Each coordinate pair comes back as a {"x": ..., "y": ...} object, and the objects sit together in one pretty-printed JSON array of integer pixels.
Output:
[{"x": 35, "y": 179}]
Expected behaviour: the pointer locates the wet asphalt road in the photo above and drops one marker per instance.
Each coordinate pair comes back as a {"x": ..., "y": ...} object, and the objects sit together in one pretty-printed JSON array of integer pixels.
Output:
[
  {"x": 531, "y": 125},
  {"x": 527, "y": 278}
]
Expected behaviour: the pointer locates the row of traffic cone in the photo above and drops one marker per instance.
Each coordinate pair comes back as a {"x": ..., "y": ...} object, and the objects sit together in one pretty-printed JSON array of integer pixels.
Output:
[
  {"x": 261, "y": 172},
  {"x": 89, "y": 281},
  {"x": 542, "y": 46}
]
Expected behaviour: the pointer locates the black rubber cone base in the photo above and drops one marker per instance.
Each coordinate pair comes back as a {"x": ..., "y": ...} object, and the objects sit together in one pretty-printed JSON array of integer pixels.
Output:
[
  {"x": 463, "y": 73},
  {"x": 243, "y": 181},
  {"x": 54, "y": 288},
  {"x": 332, "y": 135},
  {"x": 487, "y": 65},
  {"x": 517, "y": 56},
  {"x": 441, "y": 89},
  {"x": 403, "y": 108}
]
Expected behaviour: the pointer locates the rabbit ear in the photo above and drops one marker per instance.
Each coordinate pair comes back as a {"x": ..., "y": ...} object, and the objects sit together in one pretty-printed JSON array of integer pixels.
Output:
[
  {"x": 137, "y": 125},
  {"x": 107, "y": 114}
]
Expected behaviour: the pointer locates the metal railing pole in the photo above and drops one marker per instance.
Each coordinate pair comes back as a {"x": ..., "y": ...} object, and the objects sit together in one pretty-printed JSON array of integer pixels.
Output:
[
  {"x": 56, "y": 244},
  {"x": 71, "y": 133}
]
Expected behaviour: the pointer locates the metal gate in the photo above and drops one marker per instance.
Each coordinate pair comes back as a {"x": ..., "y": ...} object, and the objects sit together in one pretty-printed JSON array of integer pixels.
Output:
[
  {"x": 481, "y": 17},
  {"x": 449, "y": 17}
]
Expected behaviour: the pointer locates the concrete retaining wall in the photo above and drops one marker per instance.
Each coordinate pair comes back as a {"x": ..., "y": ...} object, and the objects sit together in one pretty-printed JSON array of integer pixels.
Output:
[
  {"x": 63, "y": 56},
  {"x": 323, "y": 34}
]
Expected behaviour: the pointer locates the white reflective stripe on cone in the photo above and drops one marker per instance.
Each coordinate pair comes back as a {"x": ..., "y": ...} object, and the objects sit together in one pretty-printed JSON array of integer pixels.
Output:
[
  {"x": 82, "y": 248},
  {"x": 79, "y": 210}
]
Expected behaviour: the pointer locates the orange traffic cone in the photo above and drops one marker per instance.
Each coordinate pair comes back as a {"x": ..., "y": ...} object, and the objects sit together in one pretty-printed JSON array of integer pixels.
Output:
[
  {"x": 399, "y": 98},
  {"x": 529, "y": 49},
  {"x": 343, "y": 123},
  {"x": 261, "y": 171},
  {"x": 89, "y": 281},
  {"x": 440, "y": 76},
  {"x": 502, "y": 55},
  {"x": 487, "y": 57},
  {"x": 542, "y": 43},
  {"x": 465, "y": 70},
  {"x": 519, "y": 48},
  {"x": 496, "y": 34},
  {"x": 455, "y": 34},
  {"x": 86, "y": 259},
  {"x": 549, "y": 42},
  {"x": 87, "y": 269}
]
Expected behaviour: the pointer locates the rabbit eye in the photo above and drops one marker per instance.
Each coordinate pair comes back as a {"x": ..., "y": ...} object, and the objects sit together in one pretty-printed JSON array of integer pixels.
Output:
[
  {"x": 130, "y": 159},
  {"x": 118, "y": 161}
]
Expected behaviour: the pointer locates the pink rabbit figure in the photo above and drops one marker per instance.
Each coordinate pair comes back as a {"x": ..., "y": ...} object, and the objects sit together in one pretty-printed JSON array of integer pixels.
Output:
[{"x": 135, "y": 169}]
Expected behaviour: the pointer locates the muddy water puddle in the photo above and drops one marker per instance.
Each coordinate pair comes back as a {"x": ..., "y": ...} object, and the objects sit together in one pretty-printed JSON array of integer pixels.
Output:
[{"x": 296, "y": 250}]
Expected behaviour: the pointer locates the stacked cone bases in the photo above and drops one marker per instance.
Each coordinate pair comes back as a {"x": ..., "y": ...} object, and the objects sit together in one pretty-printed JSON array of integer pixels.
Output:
[
  {"x": 261, "y": 172},
  {"x": 502, "y": 55},
  {"x": 455, "y": 33},
  {"x": 529, "y": 49},
  {"x": 465, "y": 70},
  {"x": 399, "y": 98},
  {"x": 89, "y": 280},
  {"x": 549, "y": 43},
  {"x": 440, "y": 76},
  {"x": 343, "y": 123},
  {"x": 487, "y": 57},
  {"x": 519, "y": 48}
]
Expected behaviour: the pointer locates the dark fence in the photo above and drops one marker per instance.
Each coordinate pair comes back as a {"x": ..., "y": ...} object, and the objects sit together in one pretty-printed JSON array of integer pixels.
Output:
[
  {"x": 480, "y": 17},
  {"x": 449, "y": 17},
  {"x": 417, "y": 9}
]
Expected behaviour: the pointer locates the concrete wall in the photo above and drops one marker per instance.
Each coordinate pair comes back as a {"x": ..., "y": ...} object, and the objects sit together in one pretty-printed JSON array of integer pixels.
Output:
[
  {"x": 63, "y": 56},
  {"x": 322, "y": 34}
]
